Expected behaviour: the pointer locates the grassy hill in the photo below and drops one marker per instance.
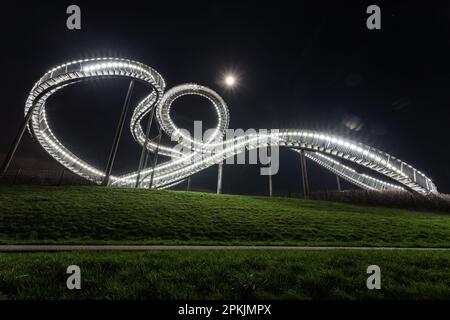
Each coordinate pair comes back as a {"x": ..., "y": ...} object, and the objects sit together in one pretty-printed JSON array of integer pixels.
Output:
[
  {"x": 36, "y": 214},
  {"x": 88, "y": 215}
]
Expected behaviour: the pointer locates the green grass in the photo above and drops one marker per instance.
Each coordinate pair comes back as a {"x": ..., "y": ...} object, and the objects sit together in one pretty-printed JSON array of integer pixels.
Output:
[
  {"x": 95, "y": 215},
  {"x": 226, "y": 275}
]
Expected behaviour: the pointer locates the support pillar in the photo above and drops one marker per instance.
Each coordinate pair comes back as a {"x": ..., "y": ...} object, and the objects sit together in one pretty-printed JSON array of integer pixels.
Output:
[
  {"x": 269, "y": 151},
  {"x": 188, "y": 184},
  {"x": 219, "y": 178},
  {"x": 338, "y": 180},
  {"x": 144, "y": 153},
  {"x": 304, "y": 174},
  {"x": 153, "y": 162},
  {"x": 12, "y": 150},
  {"x": 270, "y": 186},
  {"x": 155, "y": 159},
  {"x": 61, "y": 177},
  {"x": 119, "y": 130}
]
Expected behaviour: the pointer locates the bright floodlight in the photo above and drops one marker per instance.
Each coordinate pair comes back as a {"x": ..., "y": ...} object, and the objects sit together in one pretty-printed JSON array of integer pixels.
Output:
[{"x": 230, "y": 80}]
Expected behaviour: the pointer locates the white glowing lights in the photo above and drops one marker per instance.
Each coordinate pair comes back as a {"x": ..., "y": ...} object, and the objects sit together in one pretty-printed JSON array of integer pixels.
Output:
[
  {"x": 357, "y": 178},
  {"x": 230, "y": 80},
  {"x": 321, "y": 148}
]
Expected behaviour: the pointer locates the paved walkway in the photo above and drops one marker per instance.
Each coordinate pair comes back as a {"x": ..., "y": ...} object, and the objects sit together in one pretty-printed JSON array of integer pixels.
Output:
[{"x": 52, "y": 248}]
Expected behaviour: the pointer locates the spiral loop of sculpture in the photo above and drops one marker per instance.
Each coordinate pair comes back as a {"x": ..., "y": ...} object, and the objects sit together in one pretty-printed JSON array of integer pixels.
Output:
[{"x": 323, "y": 148}]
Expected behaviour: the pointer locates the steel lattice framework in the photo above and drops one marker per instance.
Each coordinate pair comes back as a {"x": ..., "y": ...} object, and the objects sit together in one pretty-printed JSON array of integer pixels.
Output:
[{"x": 323, "y": 148}]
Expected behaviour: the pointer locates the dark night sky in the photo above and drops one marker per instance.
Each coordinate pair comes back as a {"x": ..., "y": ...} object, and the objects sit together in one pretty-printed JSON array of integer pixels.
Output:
[{"x": 301, "y": 65}]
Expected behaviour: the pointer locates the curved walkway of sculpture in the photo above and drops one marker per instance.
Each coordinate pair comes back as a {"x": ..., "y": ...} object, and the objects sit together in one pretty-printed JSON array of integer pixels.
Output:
[{"x": 321, "y": 147}]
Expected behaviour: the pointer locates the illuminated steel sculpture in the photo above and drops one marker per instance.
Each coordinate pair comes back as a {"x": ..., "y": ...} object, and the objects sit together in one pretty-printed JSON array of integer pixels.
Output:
[{"x": 322, "y": 148}]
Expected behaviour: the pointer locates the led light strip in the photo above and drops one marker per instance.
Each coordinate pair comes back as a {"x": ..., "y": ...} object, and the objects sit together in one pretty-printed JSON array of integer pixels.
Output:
[{"x": 321, "y": 148}]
